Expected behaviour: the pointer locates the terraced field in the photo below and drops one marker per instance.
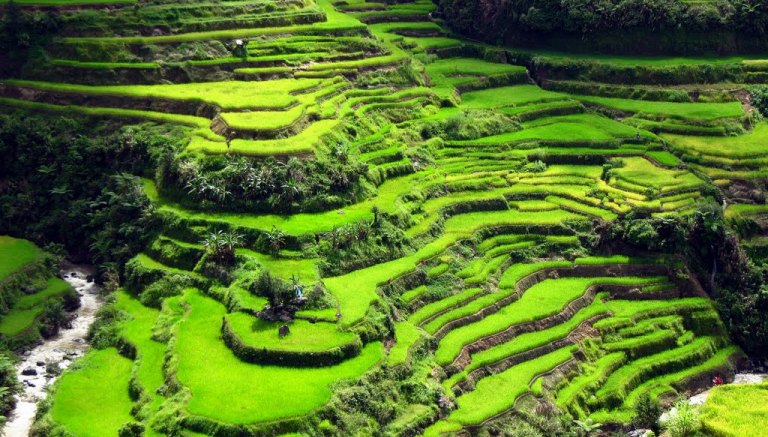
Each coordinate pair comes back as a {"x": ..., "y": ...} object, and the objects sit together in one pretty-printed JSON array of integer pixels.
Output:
[
  {"x": 490, "y": 161},
  {"x": 27, "y": 286}
]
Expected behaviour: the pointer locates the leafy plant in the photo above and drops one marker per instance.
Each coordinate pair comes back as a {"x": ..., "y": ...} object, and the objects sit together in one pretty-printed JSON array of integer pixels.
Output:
[
  {"x": 221, "y": 245},
  {"x": 683, "y": 420},
  {"x": 647, "y": 412},
  {"x": 587, "y": 427}
]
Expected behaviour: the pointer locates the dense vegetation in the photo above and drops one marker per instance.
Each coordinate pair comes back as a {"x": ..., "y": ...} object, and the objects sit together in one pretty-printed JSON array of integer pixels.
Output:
[
  {"x": 698, "y": 26},
  {"x": 342, "y": 219}
]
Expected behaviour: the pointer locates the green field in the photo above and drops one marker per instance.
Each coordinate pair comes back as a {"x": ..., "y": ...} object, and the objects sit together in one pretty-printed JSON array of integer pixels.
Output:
[
  {"x": 82, "y": 404},
  {"x": 15, "y": 254},
  {"x": 725, "y": 413},
  {"x": 349, "y": 219}
]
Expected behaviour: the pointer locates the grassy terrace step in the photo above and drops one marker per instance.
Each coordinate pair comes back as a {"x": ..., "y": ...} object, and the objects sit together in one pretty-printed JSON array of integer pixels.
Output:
[
  {"x": 356, "y": 291},
  {"x": 580, "y": 128},
  {"x": 542, "y": 300},
  {"x": 593, "y": 374},
  {"x": 307, "y": 345},
  {"x": 498, "y": 393},
  {"x": 719, "y": 363},
  {"x": 528, "y": 341},
  {"x": 430, "y": 311},
  {"x": 335, "y": 23},
  {"x": 25, "y": 311},
  {"x": 85, "y": 405},
  {"x": 658, "y": 340},
  {"x": 211, "y": 372},
  {"x": 627, "y": 377},
  {"x": 138, "y": 330},
  {"x": 726, "y": 414},
  {"x": 228, "y": 95},
  {"x": 15, "y": 253},
  {"x": 296, "y": 224},
  {"x": 676, "y": 110},
  {"x": 407, "y": 335},
  {"x": 130, "y": 114},
  {"x": 743, "y": 151},
  {"x": 450, "y": 75}
]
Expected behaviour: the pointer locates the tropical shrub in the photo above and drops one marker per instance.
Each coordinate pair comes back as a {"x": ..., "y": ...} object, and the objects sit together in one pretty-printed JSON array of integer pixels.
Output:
[
  {"x": 683, "y": 421},
  {"x": 647, "y": 412}
]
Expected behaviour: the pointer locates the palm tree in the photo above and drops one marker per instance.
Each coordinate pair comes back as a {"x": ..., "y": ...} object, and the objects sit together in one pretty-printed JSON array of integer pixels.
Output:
[
  {"x": 291, "y": 190},
  {"x": 222, "y": 245},
  {"x": 276, "y": 240}
]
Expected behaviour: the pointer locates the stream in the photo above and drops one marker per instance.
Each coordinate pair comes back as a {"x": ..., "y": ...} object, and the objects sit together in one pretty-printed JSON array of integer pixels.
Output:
[{"x": 62, "y": 349}]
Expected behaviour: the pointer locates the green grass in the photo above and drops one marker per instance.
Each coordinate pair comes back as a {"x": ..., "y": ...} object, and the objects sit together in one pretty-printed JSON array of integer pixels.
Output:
[
  {"x": 263, "y": 120},
  {"x": 664, "y": 158},
  {"x": 507, "y": 96},
  {"x": 302, "y": 268},
  {"x": 161, "y": 117},
  {"x": 356, "y": 291},
  {"x": 304, "y": 336},
  {"x": 301, "y": 144},
  {"x": 528, "y": 341},
  {"x": 639, "y": 174},
  {"x": 276, "y": 94},
  {"x": 254, "y": 393},
  {"x": 66, "y": 3},
  {"x": 296, "y": 224},
  {"x": 406, "y": 335},
  {"x": 679, "y": 110},
  {"x": 15, "y": 254},
  {"x": 749, "y": 145},
  {"x": 592, "y": 373},
  {"x": 427, "y": 311},
  {"x": 498, "y": 393},
  {"x": 92, "y": 399},
  {"x": 29, "y": 307},
  {"x": 736, "y": 410},
  {"x": 543, "y": 299},
  {"x": 664, "y": 384},
  {"x": 336, "y": 22},
  {"x": 627, "y": 377},
  {"x": 569, "y": 128},
  {"x": 138, "y": 330}
]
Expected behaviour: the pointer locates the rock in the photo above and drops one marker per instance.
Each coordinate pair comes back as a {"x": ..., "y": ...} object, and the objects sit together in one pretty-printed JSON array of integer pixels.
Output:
[
  {"x": 40, "y": 363},
  {"x": 638, "y": 433},
  {"x": 73, "y": 274},
  {"x": 89, "y": 279},
  {"x": 445, "y": 403},
  {"x": 283, "y": 331},
  {"x": 29, "y": 383},
  {"x": 29, "y": 371}
]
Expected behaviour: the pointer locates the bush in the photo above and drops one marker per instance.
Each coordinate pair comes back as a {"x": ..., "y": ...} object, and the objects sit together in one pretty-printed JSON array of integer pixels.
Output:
[
  {"x": 760, "y": 99},
  {"x": 647, "y": 412},
  {"x": 683, "y": 421},
  {"x": 154, "y": 294},
  {"x": 131, "y": 429}
]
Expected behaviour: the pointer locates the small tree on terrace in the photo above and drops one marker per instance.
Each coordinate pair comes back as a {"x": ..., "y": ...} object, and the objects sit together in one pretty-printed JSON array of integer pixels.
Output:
[
  {"x": 275, "y": 240},
  {"x": 221, "y": 245}
]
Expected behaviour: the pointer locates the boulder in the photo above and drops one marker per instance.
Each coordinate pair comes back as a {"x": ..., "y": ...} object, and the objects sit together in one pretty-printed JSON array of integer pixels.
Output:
[
  {"x": 283, "y": 331},
  {"x": 29, "y": 371}
]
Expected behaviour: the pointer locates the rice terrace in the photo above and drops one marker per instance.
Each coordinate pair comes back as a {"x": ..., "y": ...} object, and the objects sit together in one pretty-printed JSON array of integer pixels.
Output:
[{"x": 383, "y": 218}]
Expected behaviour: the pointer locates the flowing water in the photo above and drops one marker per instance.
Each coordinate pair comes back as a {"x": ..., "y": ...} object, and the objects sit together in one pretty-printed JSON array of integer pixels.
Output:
[{"x": 61, "y": 349}]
